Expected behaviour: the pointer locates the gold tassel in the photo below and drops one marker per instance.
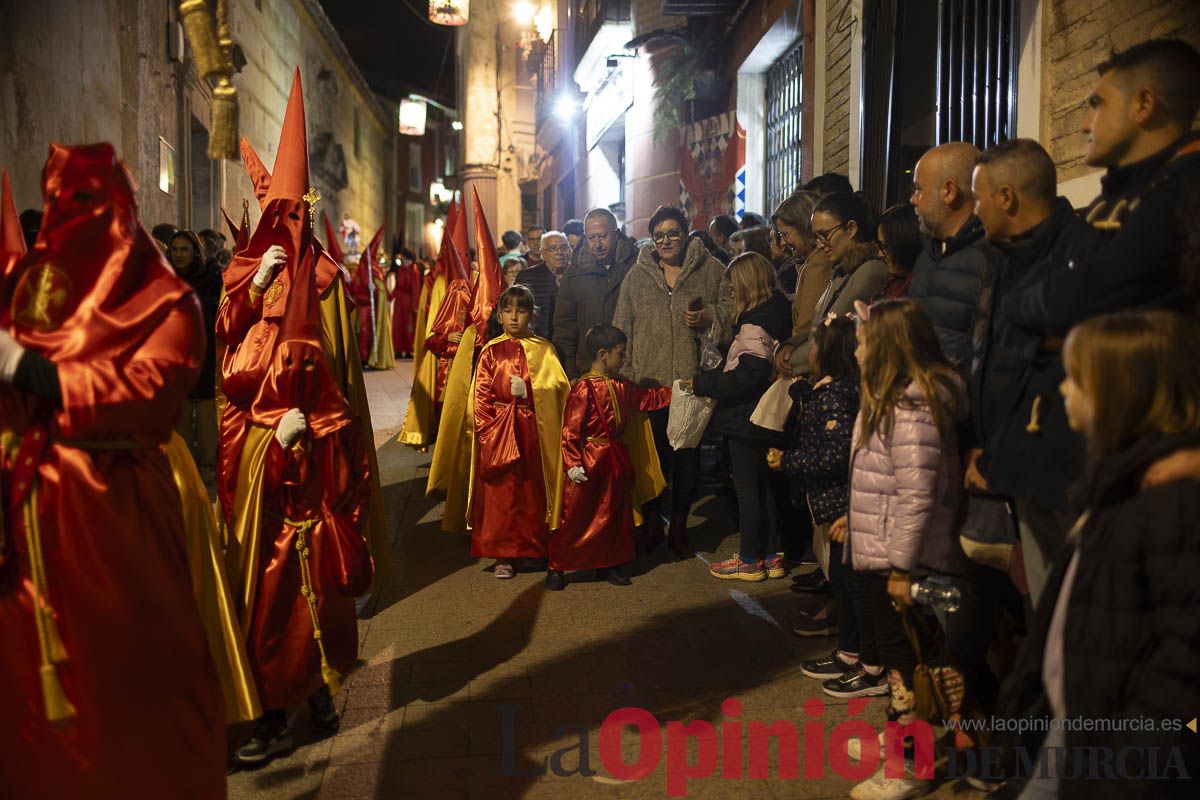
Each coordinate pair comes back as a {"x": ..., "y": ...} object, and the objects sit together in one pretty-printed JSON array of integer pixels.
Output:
[
  {"x": 58, "y": 707},
  {"x": 1033, "y": 426},
  {"x": 202, "y": 36},
  {"x": 223, "y": 137},
  {"x": 331, "y": 676}
]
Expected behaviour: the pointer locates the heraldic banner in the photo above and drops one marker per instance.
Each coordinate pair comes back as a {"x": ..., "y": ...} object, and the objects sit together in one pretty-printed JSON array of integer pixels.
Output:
[{"x": 714, "y": 151}]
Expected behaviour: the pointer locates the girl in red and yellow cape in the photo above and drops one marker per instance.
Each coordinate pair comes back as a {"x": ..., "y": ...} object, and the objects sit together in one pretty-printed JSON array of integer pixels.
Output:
[
  {"x": 598, "y": 434},
  {"x": 517, "y": 402}
]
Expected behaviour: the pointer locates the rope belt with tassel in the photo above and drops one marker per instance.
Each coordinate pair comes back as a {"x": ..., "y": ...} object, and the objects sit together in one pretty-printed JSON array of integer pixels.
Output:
[{"x": 331, "y": 676}]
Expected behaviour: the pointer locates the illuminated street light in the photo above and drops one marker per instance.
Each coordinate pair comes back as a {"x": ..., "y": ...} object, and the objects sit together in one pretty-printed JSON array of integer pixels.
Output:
[
  {"x": 523, "y": 13},
  {"x": 457, "y": 125},
  {"x": 450, "y": 12},
  {"x": 566, "y": 108}
]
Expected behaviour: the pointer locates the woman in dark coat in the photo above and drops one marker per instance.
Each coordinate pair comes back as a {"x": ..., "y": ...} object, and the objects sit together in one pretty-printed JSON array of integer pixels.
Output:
[{"x": 198, "y": 424}]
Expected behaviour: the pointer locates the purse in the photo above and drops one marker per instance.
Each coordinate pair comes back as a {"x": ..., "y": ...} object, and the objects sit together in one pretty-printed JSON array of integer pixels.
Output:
[{"x": 940, "y": 693}]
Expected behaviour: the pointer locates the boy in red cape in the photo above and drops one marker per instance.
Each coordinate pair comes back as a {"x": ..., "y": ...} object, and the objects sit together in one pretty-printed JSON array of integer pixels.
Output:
[
  {"x": 597, "y": 522},
  {"x": 104, "y": 655}
]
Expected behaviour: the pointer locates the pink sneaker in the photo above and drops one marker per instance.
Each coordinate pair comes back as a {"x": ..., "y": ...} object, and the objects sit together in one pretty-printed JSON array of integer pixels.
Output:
[
  {"x": 503, "y": 570},
  {"x": 774, "y": 567},
  {"x": 737, "y": 570}
]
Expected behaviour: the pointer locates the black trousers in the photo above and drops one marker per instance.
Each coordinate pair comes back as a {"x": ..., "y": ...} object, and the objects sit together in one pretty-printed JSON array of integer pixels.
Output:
[
  {"x": 681, "y": 468},
  {"x": 758, "y": 518},
  {"x": 971, "y": 629},
  {"x": 841, "y": 578},
  {"x": 795, "y": 521},
  {"x": 895, "y": 650}
]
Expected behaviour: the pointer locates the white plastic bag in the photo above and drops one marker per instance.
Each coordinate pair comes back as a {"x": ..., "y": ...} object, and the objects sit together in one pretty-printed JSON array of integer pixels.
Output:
[
  {"x": 773, "y": 408},
  {"x": 687, "y": 418}
]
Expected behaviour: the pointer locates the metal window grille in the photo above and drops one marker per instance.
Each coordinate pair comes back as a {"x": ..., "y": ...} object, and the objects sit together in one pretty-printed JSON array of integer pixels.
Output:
[
  {"x": 977, "y": 71},
  {"x": 785, "y": 95}
]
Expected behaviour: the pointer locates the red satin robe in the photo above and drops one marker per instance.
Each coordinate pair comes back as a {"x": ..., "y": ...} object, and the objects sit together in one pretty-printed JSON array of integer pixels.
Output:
[
  {"x": 451, "y": 318},
  {"x": 597, "y": 522},
  {"x": 509, "y": 493},
  {"x": 331, "y": 481},
  {"x": 404, "y": 308},
  {"x": 149, "y": 712}
]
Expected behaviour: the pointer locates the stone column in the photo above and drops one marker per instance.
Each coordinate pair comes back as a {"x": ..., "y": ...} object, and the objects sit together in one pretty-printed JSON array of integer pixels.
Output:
[{"x": 479, "y": 105}]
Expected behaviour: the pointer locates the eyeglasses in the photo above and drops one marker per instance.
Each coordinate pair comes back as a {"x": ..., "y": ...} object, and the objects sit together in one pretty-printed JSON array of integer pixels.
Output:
[
  {"x": 673, "y": 235},
  {"x": 824, "y": 236},
  {"x": 558, "y": 248}
]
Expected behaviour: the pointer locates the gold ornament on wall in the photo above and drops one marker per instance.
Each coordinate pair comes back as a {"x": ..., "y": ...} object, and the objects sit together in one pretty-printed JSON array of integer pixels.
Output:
[{"x": 216, "y": 57}]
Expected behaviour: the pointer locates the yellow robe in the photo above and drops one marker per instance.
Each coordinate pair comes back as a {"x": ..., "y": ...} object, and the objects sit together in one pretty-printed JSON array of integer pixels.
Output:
[
  {"x": 550, "y": 389},
  {"x": 382, "y": 354},
  {"x": 420, "y": 422},
  {"x": 210, "y": 587},
  {"x": 450, "y": 470}
]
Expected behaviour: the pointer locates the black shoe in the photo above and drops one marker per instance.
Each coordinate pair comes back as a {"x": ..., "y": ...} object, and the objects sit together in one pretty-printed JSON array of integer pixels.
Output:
[
  {"x": 823, "y": 623},
  {"x": 856, "y": 682},
  {"x": 814, "y": 582},
  {"x": 325, "y": 717},
  {"x": 613, "y": 575},
  {"x": 270, "y": 739},
  {"x": 826, "y": 667},
  {"x": 555, "y": 580}
]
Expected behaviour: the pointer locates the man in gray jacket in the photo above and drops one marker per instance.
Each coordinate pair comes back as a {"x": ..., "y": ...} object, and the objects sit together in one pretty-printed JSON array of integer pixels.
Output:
[{"x": 587, "y": 295}]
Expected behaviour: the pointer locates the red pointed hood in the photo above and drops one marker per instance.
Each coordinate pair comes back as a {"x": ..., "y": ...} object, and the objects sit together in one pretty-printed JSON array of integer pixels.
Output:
[
  {"x": 332, "y": 245},
  {"x": 373, "y": 254},
  {"x": 229, "y": 223},
  {"x": 491, "y": 278},
  {"x": 458, "y": 236},
  {"x": 443, "y": 265},
  {"x": 259, "y": 176},
  {"x": 12, "y": 240},
  {"x": 94, "y": 281},
  {"x": 289, "y": 178}
]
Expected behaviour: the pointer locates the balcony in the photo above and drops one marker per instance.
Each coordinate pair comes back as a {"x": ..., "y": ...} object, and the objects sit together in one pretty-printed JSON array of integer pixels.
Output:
[
  {"x": 544, "y": 72},
  {"x": 593, "y": 15}
]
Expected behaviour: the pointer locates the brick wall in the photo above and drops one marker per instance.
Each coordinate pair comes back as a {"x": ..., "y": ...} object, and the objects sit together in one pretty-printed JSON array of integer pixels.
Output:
[
  {"x": 840, "y": 20},
  {"x": 1079, "y": 34}
]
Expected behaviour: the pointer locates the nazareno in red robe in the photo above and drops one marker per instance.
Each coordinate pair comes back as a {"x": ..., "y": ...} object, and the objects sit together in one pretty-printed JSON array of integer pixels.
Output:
[
  {"x": 451, "y": 318},
  {"x": 121, "y": 633},
  {"x": 597, "y": 521},
  {"x": 362, "y": 287},
  {"x": 509, "y": 493},
  {"x": 404, "y": 308}
]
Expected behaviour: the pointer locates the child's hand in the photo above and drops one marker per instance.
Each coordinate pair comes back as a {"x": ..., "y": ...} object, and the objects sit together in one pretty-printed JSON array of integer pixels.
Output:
[
  {"x": 837, "y": 530},
  {"x": 577, "y": 475},
  {"x": 517, "y": 386},
  {"x": 774, "y": 458},
  {"x": 455, "y": 337}
]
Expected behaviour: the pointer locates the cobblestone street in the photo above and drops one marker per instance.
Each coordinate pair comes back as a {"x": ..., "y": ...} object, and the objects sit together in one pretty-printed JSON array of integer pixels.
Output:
[{"x": 448, "y": 654}]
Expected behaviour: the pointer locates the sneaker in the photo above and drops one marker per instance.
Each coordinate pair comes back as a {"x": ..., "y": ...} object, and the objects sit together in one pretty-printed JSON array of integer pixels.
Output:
[
  {"x": 856, "y": 682},
  {"x": 556, "y": 581},
  {"x": 325, "y": 717},
  {"x": 737, "y": 570},
  {"x": 821, "y": 623},
  {"x": 269, "y": 740},
  {"x": 814, "y": 582},
  {"x": 503, "y": 569},
  {"x": 879, "y": 787},
  {"x": 774, "y": 567},
  {"x": 827, "y": 666},
  {"x": 854, "y": 747}
]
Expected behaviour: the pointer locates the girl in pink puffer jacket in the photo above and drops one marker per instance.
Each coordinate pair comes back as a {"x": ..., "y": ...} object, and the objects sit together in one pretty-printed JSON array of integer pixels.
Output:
[{"x": 905, "y": 482}]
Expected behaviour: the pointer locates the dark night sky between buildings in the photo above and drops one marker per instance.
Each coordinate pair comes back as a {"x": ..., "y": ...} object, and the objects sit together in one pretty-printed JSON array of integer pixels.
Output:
[{"x": 396, "y": 47}]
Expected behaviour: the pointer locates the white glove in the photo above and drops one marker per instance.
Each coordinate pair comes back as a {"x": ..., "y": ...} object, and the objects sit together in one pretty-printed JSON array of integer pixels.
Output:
[
  {"x": 10, "y": 356},
  {"x": 517, "y": 386},
  {"x": 290, "y": 426},
  {"x": 272, "y": 260},
  {"x": 577, "y": 475}
]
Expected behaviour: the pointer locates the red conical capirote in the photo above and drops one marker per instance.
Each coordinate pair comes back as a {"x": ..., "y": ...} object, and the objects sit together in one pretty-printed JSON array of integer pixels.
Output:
[
  {"x": 12, "y": 240},
  {"x": 289, "y": 178},
  {"x": 332, "y": 245},
  {"x": 260, "y": 178},
  {"x": 458, "y": 235},
  {"x": 443, "y": 265},
  {"x": 373, "y": 253},
  {"x": 229, "y": 223},
  {"x": 491, "y": 278}
]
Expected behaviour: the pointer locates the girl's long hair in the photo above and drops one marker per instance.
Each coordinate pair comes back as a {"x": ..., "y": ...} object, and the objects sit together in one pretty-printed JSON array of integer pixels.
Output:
[
  {"x": 900, "y": 347},
  {"x": 752, "y": 278},
  {"x": 1141, "y": 373}
]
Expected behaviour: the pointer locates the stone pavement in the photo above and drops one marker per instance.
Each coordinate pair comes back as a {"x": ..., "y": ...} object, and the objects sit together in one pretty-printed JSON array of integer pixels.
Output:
[{"x": 451, "y": 659}]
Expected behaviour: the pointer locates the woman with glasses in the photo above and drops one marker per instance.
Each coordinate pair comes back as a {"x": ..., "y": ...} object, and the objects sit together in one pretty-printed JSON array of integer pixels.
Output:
[
  {"x": 844, "y": 230},
  {"x": 793, "y": 222},
  {"x": 673, "y": 296}
]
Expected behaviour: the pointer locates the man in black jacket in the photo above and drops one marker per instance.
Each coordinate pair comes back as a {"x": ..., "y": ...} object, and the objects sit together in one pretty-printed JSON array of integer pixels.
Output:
[
  {"x": 948, "y": 272},
  {"x": 1024, "y": 448},
  {"x": 588, "y": 292},
  {"x": 1138, "y": 126}
]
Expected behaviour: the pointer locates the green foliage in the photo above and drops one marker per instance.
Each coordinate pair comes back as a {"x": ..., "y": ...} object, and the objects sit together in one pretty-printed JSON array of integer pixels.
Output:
[{"x": 675, "y": 85}]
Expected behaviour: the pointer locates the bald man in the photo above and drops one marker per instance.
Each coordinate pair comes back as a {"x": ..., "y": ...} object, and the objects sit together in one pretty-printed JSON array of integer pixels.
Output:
[{"x": 948, "y": 272}]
